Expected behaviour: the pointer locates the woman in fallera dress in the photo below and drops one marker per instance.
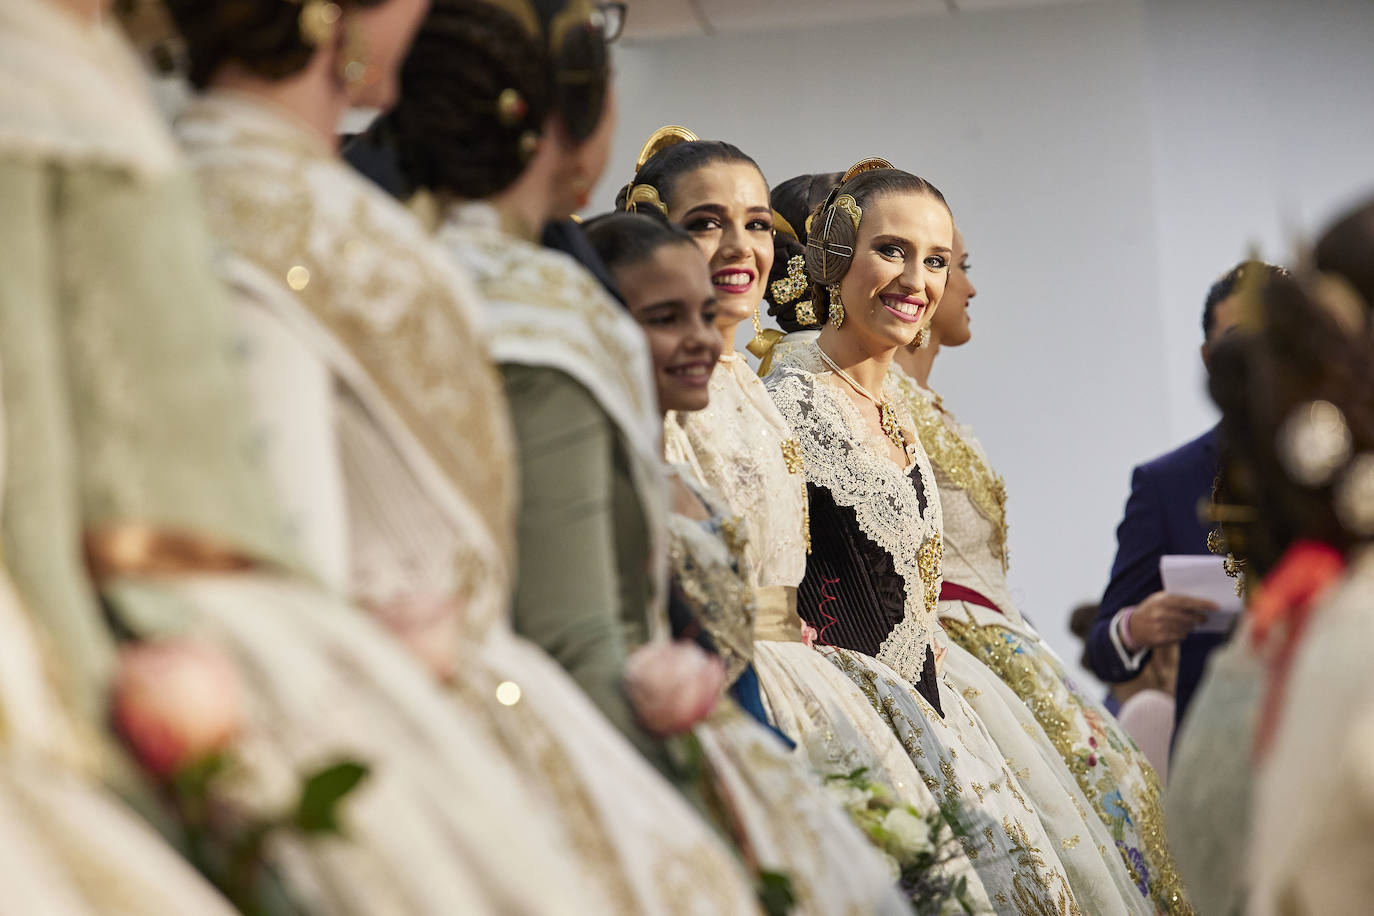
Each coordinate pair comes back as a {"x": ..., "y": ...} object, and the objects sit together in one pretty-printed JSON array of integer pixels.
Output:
[
  {"x": 839, "y": 449},
  {"x": 740, "y": 447},
  {"x": 384, "y": 424},
  {"x": 137, "y": 457},
  {"x": 593, "y": 497},
  {"x": 777, "y": 807},
  {"x": 1296, "y": 392},
  {"x": 977, "y": 612}
]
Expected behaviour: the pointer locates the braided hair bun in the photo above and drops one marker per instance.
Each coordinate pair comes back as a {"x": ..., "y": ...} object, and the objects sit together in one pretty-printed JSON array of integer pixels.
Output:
[
  {"x": 479, "y": 84},
  {"x": 263, "y": 36}
]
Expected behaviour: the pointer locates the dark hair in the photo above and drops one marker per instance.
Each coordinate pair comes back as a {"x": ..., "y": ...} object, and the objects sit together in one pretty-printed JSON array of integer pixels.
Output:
[
  {"x": 794, "y": 200},
  {"x": 829, "y": 236},
  {"x": 263, "y": 36},
  {"x": 1081, "y": 620},
  {"x": 668, "y": 165},
  {"x": 1346, "y": 249},
  {"x": 626, "y": 239},
  {"x": 1224, "y": 288},
  {"x": 477, "y": 88},
  {"x": 1297, "y": 349}
]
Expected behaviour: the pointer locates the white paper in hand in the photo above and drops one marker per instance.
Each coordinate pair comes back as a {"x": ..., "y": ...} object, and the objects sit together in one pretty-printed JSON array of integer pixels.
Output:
[{"x": 1203, "y": 576}]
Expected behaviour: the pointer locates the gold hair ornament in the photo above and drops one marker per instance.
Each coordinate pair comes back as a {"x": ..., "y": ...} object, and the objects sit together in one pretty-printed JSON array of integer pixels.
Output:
[
  {"x": 644, "y": 195},
  {"x": 661, "y": 139},
  {"x": 806, "y": 314},
  {"x": 637, "y": 195},
  {"x": 843, "y": 202},
  {"x": 847, "y": 205},
  {"x": 1314, "y": 442},
  {"x": 780, "y": 224},
  {"x": 788, "y": 288}
]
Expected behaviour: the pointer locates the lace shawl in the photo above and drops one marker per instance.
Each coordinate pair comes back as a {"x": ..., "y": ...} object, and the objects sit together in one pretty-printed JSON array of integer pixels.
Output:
[
  {"x": 841, "y": 456},
  {"x": 974, "y": 502},
  {"x": 741, "y": 448},
  {"x": 352, "y": 272},
  {"x": 545, "y": 309},
  {"x": 74, "y": 92}
]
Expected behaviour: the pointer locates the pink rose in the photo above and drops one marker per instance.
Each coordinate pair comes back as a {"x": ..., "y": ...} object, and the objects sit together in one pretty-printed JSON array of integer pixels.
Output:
[
  {"x": 673, "y": 686},
  {"x": 176, "y": 701}
]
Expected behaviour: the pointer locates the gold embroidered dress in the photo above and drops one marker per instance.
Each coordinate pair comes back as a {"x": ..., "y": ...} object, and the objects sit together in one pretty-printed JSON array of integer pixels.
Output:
[
  {"x": 1115, "y": 777},
  {"x": 67, "y": 848},
  {"x": 1018, "y": 860},
  {"x": 741, "y": 447},
  {"x": 383, "y": 419},
  {"x": 776, "y": 805},
  {"x": 116, "y": 350}
]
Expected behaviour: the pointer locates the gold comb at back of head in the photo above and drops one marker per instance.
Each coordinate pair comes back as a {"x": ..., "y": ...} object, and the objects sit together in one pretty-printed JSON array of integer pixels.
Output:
[
  {"x": 866, "y": 165},
  {"x": 661, "y": 139}
]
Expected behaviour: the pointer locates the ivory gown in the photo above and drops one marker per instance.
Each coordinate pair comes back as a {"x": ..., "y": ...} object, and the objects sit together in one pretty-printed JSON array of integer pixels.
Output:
[
  {"x": 387, "y": 434},
  {"x": 882, "y": 551},
  {"x": 1118, "y": 782},
  {"x": 116, "y": 348}
]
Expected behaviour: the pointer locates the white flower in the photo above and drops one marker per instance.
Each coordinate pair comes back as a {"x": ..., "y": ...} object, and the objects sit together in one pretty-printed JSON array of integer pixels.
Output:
[
  {"x": 910, "y": 835},
  {"x": 848, "y": 795}
]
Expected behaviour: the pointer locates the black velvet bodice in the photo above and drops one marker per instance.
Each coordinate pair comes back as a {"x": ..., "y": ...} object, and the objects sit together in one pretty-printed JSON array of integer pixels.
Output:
[{"x": 851, "y": 593}]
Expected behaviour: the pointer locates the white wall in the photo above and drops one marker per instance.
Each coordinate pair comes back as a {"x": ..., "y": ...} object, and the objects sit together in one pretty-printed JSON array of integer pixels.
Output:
[
  {"x": 1105, "y": 163},
  {"x": 1262, "y": 116}
]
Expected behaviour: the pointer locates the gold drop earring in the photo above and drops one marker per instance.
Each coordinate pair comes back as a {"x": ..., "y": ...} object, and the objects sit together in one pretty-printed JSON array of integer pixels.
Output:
[
  {"x": 836, "y": 306},
  {"x": 353, "y": 55},
  {"x": 923, "y": 338}
]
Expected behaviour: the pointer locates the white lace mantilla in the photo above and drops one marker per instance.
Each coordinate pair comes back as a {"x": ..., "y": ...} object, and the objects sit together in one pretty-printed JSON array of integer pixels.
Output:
[
  {"x": 842, "y": 456},
  {"x": 74, "y": 92},
  {"x": 742, "y": 448},
  {"x": 545, "y": 309}
]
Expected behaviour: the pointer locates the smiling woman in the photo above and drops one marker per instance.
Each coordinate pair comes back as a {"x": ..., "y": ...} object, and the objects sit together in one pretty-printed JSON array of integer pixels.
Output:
[
  {"x": 718, "y": 194},
  {"x": 878, "y": 255}
]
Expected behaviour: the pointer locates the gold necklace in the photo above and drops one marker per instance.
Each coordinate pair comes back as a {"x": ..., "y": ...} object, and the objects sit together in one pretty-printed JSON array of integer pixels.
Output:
[{"x": 887, "y": 417}]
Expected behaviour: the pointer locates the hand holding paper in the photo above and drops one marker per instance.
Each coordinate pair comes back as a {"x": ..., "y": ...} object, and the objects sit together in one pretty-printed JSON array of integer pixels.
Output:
[{"x": 1203, "y": 577}]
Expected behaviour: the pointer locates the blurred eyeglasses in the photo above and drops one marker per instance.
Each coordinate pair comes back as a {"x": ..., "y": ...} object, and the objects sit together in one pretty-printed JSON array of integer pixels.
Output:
[{"x": 610, "y": 18}]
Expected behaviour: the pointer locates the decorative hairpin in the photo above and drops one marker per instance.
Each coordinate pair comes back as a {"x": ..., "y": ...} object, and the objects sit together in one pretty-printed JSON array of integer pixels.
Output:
[
  {"x": 638, "y": 195},
  {"x": 1314, "y": 443},
  {"x": 785, "y": 289},
  {"x": 780, "y": 224}
]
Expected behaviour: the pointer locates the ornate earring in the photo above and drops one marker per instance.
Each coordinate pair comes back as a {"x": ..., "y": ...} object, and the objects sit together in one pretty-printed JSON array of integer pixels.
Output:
[
  {"x": 836, "y": 306},
  {"x": 353, "y": 55},
  {"x": 316, "y": 21},
  {"x": 581, "y": 189},
  {"x": 923, "y": 338}
]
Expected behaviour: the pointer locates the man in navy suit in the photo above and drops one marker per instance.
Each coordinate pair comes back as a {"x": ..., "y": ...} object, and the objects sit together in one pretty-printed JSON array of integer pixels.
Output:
[{"x": 1161, "y": 518}]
